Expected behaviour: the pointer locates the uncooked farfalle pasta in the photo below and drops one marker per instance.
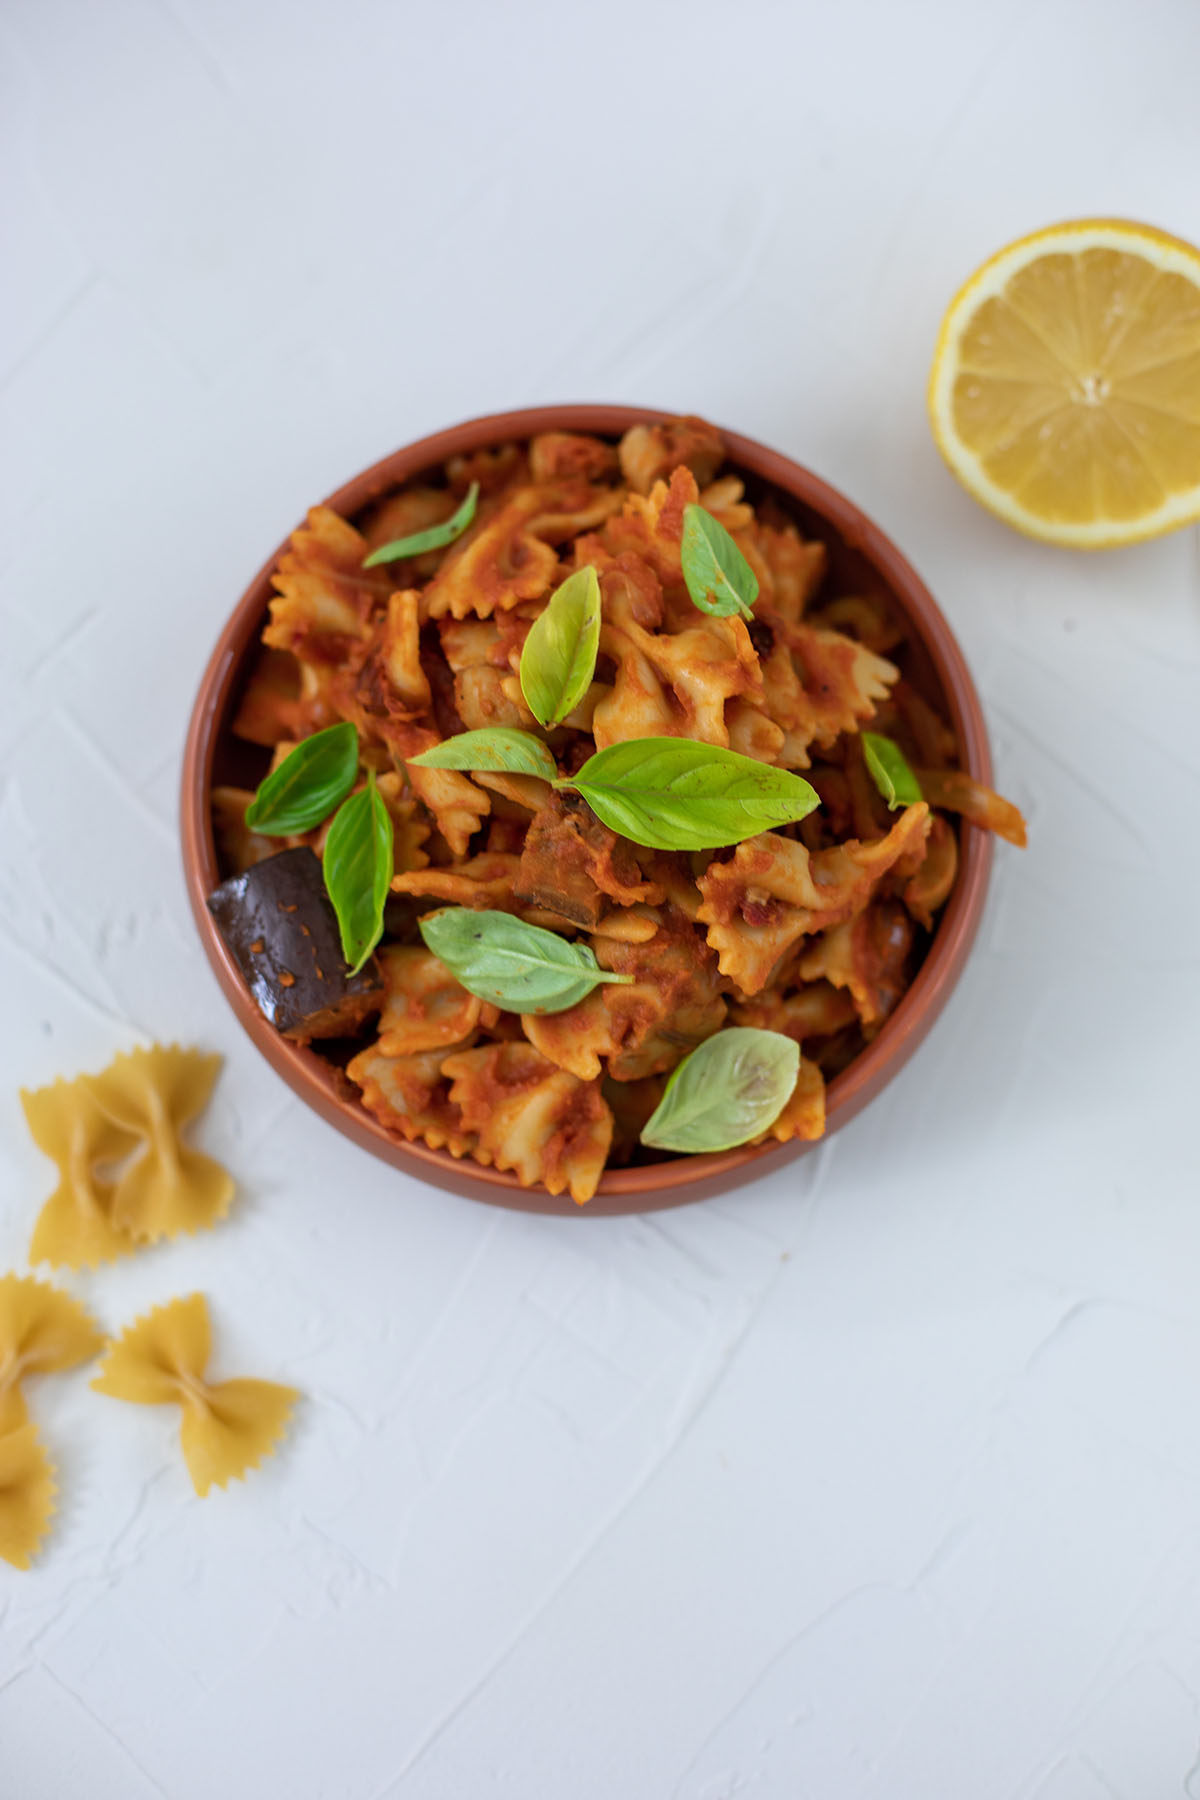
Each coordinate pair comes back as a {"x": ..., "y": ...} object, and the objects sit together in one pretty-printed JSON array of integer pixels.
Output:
[
  {"x": 167, "y": 1187},
  {"x": 536, "y": 728},
  {"x": 227, "y": 1427},
  {"x": 126, "y": 1175},
  {"x": 126, "y": 1179},
  {"x": 75, "y": 1228},
  {"x": 27, "y": 1490},
  {"x": 42, "y": 1331}
]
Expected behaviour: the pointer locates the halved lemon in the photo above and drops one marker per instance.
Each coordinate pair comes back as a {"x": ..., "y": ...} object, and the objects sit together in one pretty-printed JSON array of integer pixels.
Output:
[{"x": 1065, "y": 392}]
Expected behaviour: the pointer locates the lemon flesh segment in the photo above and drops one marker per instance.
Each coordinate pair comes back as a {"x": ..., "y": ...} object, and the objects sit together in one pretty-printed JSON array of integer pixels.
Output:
[{"x": 1066, "y": 386}]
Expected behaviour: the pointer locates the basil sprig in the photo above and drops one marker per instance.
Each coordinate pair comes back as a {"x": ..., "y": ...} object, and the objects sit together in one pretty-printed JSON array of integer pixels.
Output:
[
  {"x": 719, "y": 579},
  {"x": 307, "y": 785},
  {"x": 358, "y": 864},
  {"x": 890, "y": 770},
  {"x": 672, "y": 794},
  {"x": 436, "y": 537},
  {"x": 516, "y": 966},
  {"x": 496, "y": 747},
  {"x": 730, "y": 1089},
  {"x": 559, "y": 656}
]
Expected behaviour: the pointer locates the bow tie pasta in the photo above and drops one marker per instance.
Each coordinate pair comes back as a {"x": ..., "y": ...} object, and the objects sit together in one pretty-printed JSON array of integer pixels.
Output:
[
  {"x": 773, "y": 892},
  {"x": 27, "y": 1491},
  {"x": 227, "y": 1427},
  {"x": 42, "y": 1331},
  {"x": 126, "y": 1175},
  {"x": 76, "y": 1227}
]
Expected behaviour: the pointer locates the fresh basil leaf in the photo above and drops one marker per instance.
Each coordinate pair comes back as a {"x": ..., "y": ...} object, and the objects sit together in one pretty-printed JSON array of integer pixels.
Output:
[
  {"x": 718, "y": 577},
  {"x": 671, "y": 794},
  {"x": 307, "y": 785},
  {"x": 435, "y": 538},
  {"x": 497, "y": 747},
  {"x": 890, "y": 770},
  {"x": 732, "y": 1087},
  {"x": 559, "y": 658},
  {"x": 358, "y": 865},
  {"x": 513, "y": 965}
]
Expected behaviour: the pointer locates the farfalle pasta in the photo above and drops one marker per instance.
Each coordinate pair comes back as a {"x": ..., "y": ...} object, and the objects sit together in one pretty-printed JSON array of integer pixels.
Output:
[
  {"x": 27, "y": 1490},
  {"x": 671, "y": 1002},
  {"x": 773, "y": 893},
  {"x": 126, "y": 1176},
  {"x": 42, "y": 1331},
  {"x": 811, "y": 930},
  {"x": 167, "y": 1187},
  {"x": 425, "y": 1008},
  {"x": 411, "y": 1096},
  {"x": 227, "y": 1427},
  {"x": 525, "y": 1113},
  {"x": 868, "y": 955},
  {"x": 76, "y": 1228},
  {"x": 803, "y": 1115}
]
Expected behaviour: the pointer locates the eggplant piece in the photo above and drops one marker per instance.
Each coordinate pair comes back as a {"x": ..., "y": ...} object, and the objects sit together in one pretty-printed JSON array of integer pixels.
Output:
[
  {"x": 282, "y": 931},
  {"x": 574, "y": 866}
]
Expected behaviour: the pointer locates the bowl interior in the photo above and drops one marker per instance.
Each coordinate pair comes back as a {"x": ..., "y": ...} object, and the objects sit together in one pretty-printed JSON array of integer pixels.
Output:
[{"x": 862, "y": 560}]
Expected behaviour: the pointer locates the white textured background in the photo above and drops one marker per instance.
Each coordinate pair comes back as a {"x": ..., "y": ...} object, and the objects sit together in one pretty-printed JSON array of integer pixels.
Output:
[{"x": 877, "y": 1481}]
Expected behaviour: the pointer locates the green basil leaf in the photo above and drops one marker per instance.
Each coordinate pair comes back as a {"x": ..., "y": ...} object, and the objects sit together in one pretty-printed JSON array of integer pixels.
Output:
[
  {"x": 671, "y": 794},
  {"x": 718, "y": 577},
  {"x": 559, "y": 658},
  {"x": 307, "y": 785},
  {"x": 435, "y": 538},
  {"x": 890, "y": 770},
  {"x": 513, "y": 965},
  {"x": 497, "y": 747},
  {"x": 358, "y": 865},
  {"x": 732, "y": 1087}
]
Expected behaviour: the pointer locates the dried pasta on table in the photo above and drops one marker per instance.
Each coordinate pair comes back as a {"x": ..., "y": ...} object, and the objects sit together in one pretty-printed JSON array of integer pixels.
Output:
[
  {"x": 43, "y": 1330},
  {"x": 27, "y": 1490},
  {"x": 227, "y": 1427},
  {"x": 76, "y": 1227},
  {"x": 167, "y": 1187}
]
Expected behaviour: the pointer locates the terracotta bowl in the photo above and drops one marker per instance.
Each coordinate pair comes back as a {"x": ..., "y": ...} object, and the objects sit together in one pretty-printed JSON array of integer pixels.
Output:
[{"x": 863, "y": 559}]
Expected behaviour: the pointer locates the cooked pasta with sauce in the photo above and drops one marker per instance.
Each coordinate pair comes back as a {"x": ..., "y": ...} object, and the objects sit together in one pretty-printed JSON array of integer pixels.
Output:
[{"x": 412, "y": 625}]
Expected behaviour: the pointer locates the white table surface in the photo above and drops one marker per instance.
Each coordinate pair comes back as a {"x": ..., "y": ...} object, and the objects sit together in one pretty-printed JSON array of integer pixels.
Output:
[{"x": 880, "y": 1478}]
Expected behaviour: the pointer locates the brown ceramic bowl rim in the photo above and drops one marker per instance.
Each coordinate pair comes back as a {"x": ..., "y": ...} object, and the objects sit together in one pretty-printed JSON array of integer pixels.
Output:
[{"x": 684, "y": 1178}]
